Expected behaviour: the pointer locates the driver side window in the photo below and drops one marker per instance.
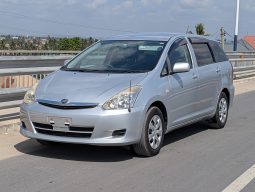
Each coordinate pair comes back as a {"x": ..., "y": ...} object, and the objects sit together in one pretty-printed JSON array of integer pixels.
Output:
[{"x": 179, "y": 54}]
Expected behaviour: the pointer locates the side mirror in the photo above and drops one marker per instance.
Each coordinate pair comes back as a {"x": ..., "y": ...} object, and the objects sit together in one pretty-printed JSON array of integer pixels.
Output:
[
  {"x": 67, "y": 61},
  {"x": 181, "y": 67}
]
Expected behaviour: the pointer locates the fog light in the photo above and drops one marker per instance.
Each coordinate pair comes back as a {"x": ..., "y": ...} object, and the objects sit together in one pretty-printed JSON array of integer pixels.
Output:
[
  {"x": 119, "y": 133},
  {"x": 23, "y": 125}
]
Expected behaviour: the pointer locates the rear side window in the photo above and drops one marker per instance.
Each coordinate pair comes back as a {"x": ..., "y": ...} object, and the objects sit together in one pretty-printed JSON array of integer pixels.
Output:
[
  {"x": 218, "y": 53},
  {"x": 203, "y": 54}
]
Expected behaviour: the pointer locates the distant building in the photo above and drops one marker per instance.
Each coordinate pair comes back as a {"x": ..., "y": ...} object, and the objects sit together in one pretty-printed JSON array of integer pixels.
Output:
[
  {"x": 250, "y": 39},
  {"x": 44, "y": 41},
  {"x": 242, "y": 46}
]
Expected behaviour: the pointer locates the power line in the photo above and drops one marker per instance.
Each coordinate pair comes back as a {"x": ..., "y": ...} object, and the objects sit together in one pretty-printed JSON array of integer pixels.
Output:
[
  {"x": 215, "y": 33},
  {"x": 229, "y": 34},
  {"x": 8, "y": 13},
  {"x": 33, "y": 31}
]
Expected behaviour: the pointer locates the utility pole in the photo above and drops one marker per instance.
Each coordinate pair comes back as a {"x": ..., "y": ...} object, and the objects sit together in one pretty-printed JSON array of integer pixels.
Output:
[
  {"x": 237, "y": 24},
  {"x": 222, "y": 35}
]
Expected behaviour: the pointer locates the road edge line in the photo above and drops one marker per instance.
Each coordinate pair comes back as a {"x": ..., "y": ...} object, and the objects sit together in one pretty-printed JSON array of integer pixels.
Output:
[{"x": 242, "y": 181}]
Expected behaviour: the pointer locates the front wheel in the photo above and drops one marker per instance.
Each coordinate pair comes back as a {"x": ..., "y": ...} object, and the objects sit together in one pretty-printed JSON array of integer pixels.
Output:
[
  {"x": 220, "y": 119},
  {"x": 153, "y": 134}
]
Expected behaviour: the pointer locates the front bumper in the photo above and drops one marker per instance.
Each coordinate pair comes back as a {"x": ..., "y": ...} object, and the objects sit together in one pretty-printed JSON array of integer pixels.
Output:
[{"x": 104, "y": 123}]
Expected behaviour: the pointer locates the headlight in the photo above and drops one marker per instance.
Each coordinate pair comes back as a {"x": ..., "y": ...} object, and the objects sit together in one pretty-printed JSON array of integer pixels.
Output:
[
  {"x": 123, "y": 99},
  {"x": 30, "y": 95}
]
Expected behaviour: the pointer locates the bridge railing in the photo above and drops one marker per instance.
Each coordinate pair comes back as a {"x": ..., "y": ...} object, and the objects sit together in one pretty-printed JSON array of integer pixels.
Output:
[
  {"x": 35, "y": 52},
  {"x": 240, "y": 55},
  {"x": 23, "y": 77},
  {"x": 14, "y": 82}
]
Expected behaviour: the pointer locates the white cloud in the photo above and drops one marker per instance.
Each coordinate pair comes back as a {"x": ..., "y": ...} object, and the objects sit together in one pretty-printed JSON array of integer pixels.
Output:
[
  {"x": 126, "y": 4},
  {"x": 196, "y": 3},
  {"x": 248, "y": 5},
  {"x": 96, "y": 3},
  {"x": 145, "y": 2}
]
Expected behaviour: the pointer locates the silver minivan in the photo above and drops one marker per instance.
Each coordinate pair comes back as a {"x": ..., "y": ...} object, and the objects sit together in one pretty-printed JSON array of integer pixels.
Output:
[{"x": 131, "y": 90}]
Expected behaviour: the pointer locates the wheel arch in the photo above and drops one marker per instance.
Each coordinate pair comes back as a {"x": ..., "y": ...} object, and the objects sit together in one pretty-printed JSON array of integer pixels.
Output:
[
  {"x": 161, "y": 106},
  {"x": 226, "y": 91}
]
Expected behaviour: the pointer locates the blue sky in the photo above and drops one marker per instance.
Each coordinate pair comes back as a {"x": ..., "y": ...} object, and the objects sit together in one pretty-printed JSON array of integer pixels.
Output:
[{"x": 100, "y": 18}]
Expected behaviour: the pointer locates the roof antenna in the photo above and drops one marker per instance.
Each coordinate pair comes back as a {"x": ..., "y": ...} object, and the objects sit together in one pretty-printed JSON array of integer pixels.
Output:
[
  {"x": 129, "y": 106},
  {"x": 187, "y": 30}
]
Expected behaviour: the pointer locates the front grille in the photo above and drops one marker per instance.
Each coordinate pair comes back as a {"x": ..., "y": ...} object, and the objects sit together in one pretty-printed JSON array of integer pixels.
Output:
[
  {"x": 81, "y": 129},
  {"x": 43, "y": 126},
  {"x": 78, "y": 132},
  {"x": 66, "y": 107},
  {"x": 71, "y": 105},
  {"x": 64, "y": 134}
]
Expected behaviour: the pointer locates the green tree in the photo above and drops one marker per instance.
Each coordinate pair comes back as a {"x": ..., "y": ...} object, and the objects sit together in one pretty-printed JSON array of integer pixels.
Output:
[
  {"x": 2, "y": 44},
  {"x": 200, "y": 29},
  {"x": 51, "y": 43},
  {"x": 70, "y": 43}
]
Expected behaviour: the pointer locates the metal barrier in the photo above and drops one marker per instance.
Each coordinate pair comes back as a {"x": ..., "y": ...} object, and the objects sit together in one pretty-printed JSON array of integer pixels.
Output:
[
  {"x": 35, "y": 52},
  {"x": 240, "y": 55},
  {"x": 16, "y": 81},
  {"x": 63, "y": 52},
  {"x": 19, "y": 80}
]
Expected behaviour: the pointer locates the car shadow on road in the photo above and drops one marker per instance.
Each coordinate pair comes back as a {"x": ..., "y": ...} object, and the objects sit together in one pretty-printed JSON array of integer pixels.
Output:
[
  {"x": 185, "y": 132},
  {"x": 77, "y": 152}
]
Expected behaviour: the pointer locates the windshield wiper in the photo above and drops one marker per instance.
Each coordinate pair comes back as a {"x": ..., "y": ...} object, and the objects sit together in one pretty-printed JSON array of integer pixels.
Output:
[
  {"x": 81, "y": 70},
  {"x": 131, "y": 71},
  {"x": 105, "y": 70}
]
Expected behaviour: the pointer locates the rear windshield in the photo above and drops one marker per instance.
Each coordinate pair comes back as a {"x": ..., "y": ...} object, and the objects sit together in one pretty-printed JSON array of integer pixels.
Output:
[{"x": 118, "y": 56}]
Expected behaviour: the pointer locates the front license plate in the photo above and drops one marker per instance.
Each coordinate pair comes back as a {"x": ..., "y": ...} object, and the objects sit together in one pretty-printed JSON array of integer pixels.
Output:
[{"x": 60, "y": 123}]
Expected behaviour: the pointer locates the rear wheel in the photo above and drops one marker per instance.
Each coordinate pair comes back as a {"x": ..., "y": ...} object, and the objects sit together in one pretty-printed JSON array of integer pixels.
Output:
[
  {"x": 220, "y": 119},
  {"x": 152, "y": 135}
]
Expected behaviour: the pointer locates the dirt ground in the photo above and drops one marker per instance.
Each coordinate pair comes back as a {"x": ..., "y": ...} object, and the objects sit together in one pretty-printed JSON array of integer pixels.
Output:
[{"x": 243, "y": 86}]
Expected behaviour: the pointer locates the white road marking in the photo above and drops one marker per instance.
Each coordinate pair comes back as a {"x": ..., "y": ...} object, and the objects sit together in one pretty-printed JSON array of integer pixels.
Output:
[{"x": 242, "y": 181}]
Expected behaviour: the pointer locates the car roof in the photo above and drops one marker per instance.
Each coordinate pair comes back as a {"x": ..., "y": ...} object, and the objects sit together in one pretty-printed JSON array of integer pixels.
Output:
[
  {"x": 164, "y": 36},
  {"x": 154, "y": 36}
]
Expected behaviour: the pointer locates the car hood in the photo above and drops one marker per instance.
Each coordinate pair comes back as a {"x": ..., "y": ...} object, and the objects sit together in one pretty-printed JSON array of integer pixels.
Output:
[{"x": 85, "y": 87}]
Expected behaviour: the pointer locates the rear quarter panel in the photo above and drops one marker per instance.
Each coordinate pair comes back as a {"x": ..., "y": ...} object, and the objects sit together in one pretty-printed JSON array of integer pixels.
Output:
[{"x": 227, "y": 81}]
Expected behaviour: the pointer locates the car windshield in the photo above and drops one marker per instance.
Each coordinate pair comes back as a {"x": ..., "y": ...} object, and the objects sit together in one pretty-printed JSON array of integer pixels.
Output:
[{"x": 118, "y": 57}]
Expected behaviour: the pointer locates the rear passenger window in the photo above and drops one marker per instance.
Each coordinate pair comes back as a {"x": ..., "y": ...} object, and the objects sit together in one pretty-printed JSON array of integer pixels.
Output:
[
  {"x": 218, "y": 53},
  {"x": 203, "y": 54}
]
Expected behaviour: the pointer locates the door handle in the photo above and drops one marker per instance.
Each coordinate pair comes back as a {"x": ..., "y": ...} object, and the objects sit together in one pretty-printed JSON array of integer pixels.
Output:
[
  {"x": 218, "y": 70},
  {"x": 194, "y": 77}
]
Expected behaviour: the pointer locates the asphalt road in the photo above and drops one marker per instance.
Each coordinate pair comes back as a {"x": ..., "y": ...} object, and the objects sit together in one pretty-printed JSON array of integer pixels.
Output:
[
  {"x": 36, "y": 62},
  {"x": 193, "y": 159},
  {"x": 12, "y": 97}
]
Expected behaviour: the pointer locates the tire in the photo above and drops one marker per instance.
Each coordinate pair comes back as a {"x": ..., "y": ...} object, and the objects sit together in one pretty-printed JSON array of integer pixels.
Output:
[
  {"x": 45, "y": 143},
  {"x": 152, "y": 134},
  {"x": 220, "y": 118}
]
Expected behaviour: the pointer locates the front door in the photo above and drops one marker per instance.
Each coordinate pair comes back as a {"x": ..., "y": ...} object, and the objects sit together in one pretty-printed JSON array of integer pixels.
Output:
[{"x": 182, "y": 86}]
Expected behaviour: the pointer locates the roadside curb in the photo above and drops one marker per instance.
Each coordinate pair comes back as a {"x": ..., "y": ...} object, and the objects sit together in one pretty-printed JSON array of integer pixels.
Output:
[
  {"x": 9, "y": 127},
  {"x": 244, "y": 80}
]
